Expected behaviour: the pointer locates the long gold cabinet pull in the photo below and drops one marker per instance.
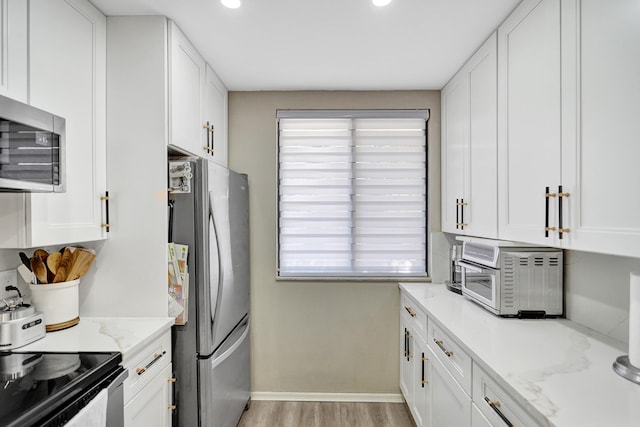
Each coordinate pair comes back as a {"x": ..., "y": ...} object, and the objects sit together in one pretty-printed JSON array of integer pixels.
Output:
[
  {"x": 156, "y": 357},
  {"x": 105, "y": 198},
  {"x": 495, "y": 405},
  {"x": 410, "y": 311},
  {"x": 210, "y": 129},
  {"x": 440, "y": 344},
  {"x": 423, "y": 379},
  {"x": 560, "y": 228},
  {"x": 561, "y": 195}
]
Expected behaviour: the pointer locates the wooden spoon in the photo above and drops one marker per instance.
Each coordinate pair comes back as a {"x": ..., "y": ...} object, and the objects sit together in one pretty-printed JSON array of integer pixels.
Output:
[
  {"x": 41, "y": 253},
  {"x": 39, "y": 269},
  {"x": 63, "y": 266},
  {"x": 82, "y": 260},
  {"x": 53, "y": 260}
]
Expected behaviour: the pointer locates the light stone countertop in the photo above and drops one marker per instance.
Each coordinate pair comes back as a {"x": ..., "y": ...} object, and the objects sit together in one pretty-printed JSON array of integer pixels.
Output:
[
  {"x": 559, "y": 371},
  {"x": 126, "y": 335}
]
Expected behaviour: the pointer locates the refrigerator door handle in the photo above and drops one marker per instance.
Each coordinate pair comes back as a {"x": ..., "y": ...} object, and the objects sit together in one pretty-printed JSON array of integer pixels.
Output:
[
  {"x": 224, "y": 356},
  {"x": 214, "y": 251}
]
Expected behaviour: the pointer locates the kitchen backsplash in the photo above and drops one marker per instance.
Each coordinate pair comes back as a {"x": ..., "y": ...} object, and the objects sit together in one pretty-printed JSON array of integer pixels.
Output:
[
  {"x": 9, "y": 259},
  {"x": 597, "y": 291},
  {"x": 596, "y": 285}
]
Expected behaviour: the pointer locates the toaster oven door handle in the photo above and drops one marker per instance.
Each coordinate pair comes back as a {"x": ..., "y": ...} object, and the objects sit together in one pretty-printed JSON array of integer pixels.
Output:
[{"x": 475, "y": 268}]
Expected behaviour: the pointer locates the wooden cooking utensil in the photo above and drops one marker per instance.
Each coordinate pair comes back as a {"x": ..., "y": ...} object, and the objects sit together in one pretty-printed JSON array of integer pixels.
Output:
[
  {"x": 39, "y": 269},
  {"x": 53, "y": 260},
  {"x": 82, "y": 260},
  {"x": 41, "y": 253},
  {"x": 63, "y": 266}
]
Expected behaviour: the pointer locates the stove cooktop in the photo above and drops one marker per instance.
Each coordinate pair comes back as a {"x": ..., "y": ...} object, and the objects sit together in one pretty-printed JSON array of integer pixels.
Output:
[{"x": 36, "y": 384}]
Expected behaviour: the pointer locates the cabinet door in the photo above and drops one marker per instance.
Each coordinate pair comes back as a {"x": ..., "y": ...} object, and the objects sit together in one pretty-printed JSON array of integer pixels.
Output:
[
  {"x": 215, "y": 113},
  {"x": 186, "y": 83},
  {"x": 421, "y": 409},
  {"x": 469, "y": 154},
  {"x": 455, "y": 134},
  {"x": 152, "y": 406},
  {"x": 529, "y": 102},
  {"x": 67, "y": 76},
  {"x": 481, "y": 181},
  {"x": 477, "y": 418},
  {"x": 450, "y": 405},
  {"x": 600, "y": 118},
  {"x": 13, "y": 49},
  {"x": 406, "y": 364}
]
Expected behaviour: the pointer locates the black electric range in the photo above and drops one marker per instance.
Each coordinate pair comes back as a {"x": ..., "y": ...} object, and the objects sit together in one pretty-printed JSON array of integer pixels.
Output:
[{"x": 48, "y": 389}]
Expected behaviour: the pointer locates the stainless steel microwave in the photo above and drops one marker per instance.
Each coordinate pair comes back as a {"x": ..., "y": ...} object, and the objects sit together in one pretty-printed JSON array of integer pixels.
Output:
[{"x": 32, "y": 149}]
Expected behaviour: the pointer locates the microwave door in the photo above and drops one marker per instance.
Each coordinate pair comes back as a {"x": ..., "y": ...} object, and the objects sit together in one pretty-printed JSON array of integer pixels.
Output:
[{"x": 480, "y": 283}]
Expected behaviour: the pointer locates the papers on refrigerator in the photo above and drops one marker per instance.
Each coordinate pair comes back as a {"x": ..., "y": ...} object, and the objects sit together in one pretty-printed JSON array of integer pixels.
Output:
[{"x": 178, "y": 280}]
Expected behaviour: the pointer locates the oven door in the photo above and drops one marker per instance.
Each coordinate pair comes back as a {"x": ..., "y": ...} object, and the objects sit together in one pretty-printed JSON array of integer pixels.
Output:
[{"x": 481, "y": 283}]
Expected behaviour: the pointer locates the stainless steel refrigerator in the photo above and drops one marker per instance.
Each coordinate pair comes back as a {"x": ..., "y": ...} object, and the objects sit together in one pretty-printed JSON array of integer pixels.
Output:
[{"x": 211, "y": 351}]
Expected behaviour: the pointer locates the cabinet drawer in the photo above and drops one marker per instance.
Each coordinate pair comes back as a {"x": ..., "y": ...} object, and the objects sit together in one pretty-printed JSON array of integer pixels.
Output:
[
  {"x": 417, "y": 318},
  {"x": 496, "y": 404},
  {"x": 452, "y": 356},
  {"x": 146, "y": 364}
]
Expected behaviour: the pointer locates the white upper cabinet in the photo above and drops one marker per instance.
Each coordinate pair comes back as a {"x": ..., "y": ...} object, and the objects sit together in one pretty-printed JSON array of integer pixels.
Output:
[
  {"x": 187, "y": 72},
  {"x": 568, "y": 123},
  {"x": 197, "y": 102},
  {"x": 13, "y": 49},
  {"x": 215, "y": 117},
  {"x": 529, "y": 129},
  {"x": 601, "y": 89},
  {"x": 469, "y": 154},
  {"x": 67, "y": 77},
  {"x": 455, "y": 136}
]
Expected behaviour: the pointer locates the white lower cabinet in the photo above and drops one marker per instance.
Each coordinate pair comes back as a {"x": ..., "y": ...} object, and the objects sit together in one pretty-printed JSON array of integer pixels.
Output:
[
  {"x": 151, "y": 407},
  {"x": 415, "y": 365},
  {"x": 148, "y": 391},
  {"x": 450, "y": 405},
  {"x": 496, "y": 404},
  {"x": 477, "y": 419},
  {"x": 441, "y": 382}
]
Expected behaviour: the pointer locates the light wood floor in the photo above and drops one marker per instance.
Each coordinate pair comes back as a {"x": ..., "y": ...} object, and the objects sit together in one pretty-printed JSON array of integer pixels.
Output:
[{"x": 264, "y": 413}]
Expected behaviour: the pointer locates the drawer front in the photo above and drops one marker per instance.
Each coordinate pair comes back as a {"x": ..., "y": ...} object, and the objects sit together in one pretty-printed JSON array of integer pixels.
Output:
[
  {"x": 417, "y": 317},
  {"x": 146, "y": 364},
  {"x": 452, "y": 356},
  {"x": 496, "y": 404}
]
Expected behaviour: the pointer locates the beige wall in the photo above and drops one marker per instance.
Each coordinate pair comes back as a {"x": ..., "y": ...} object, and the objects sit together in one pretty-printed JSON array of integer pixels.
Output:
[{"x": 322, "y": 337}]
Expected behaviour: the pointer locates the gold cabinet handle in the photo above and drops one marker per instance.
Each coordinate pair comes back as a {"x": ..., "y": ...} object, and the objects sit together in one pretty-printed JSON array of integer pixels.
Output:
[
  {"x": 495, "y": 405},
  {"x": 440, "y": 344},
  {"x": 105, "y": 198},
  {"x": 156, "y": 357},
  {"x": 410, "y": 311},
  {"x": 171, "y": 380},
  {"x": 172, "y": 407},
  {"x": 561, "y": 229}
]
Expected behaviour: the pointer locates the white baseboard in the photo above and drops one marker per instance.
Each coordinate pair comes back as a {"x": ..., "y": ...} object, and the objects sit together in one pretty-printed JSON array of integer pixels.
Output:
[{"x": 327, "y": 397}]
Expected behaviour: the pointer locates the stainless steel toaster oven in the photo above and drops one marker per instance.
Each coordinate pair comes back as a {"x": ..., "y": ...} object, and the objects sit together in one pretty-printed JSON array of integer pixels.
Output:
[{"x": 513, "y": 281}]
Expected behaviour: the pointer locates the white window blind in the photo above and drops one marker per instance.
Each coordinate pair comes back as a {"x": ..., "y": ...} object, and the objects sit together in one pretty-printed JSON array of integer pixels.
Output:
[{"x": 352, "y": 195}]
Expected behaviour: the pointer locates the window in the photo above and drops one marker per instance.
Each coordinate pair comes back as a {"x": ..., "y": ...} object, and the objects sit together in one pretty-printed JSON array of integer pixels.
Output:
[{"x": 352, "y": 194}]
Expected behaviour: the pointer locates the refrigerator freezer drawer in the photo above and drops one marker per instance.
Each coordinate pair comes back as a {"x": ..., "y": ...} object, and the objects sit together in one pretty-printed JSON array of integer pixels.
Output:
[{"x": 225, "y": 378}]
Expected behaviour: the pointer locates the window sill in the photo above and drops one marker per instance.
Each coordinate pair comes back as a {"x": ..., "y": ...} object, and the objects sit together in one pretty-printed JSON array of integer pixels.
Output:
[{"x": 395, "y": 279}]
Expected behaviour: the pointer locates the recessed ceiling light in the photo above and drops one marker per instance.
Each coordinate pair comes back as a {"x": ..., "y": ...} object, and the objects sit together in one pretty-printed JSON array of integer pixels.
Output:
[
  {"x": 231, "y": 4},
  {"x": 381, "y": 3}
]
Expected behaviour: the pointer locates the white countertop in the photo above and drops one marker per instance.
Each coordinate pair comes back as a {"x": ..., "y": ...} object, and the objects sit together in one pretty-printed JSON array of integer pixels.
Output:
[
  {"x": 559, "y": 371},
  {"x": 123, "y": 334}
]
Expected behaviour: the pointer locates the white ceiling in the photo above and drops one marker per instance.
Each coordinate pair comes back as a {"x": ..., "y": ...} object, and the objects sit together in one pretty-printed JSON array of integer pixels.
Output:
[{"x": 329, "y": 44}]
